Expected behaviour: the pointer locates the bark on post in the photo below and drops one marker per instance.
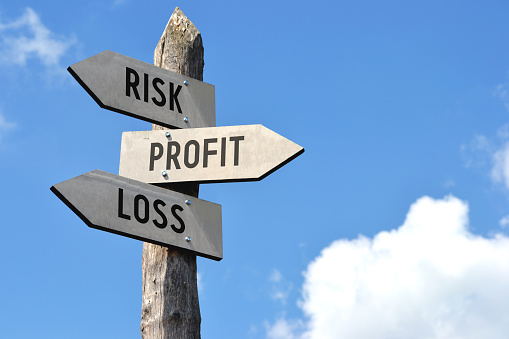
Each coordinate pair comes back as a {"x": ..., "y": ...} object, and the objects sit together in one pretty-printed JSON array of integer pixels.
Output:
[{"x": 170, "y": 307}]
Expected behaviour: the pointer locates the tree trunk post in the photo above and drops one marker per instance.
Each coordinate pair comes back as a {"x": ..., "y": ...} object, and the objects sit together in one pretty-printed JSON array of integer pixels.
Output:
[{"x": 170, "y": 306}]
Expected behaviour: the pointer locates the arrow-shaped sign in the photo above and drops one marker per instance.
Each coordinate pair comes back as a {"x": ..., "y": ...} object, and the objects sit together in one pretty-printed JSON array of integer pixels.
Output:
[
  {"x": 145, "y": 212},
  {"x": 215, "y": 154},
  {"x": 135, "y": 88}
]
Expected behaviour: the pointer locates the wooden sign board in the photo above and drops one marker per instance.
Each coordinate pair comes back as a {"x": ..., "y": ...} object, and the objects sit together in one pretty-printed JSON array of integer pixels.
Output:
[
  {"x": 145, "y": 212},
  {"x": 215, "y": 154},
  {"x": 138, "y": 89}
]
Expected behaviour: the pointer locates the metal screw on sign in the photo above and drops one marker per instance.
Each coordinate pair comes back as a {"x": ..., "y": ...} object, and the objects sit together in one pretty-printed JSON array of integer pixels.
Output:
[
  {"x": 188, "y": 202},
  {"x": 186, "y": 119},
  {"x": 186, "y": 83},
  {"x": 164, "y": 173},
  {"x": 167, "y": 134},
  {"x": 188, "y": 239}
]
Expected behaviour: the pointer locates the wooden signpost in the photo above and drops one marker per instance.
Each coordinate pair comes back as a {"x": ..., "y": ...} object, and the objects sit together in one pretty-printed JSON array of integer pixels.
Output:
[{"x": 175, "y": 225}]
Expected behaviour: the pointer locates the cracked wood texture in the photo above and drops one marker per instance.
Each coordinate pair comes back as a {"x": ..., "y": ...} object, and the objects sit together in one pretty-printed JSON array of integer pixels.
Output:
[{"x": 170, "y": 306}]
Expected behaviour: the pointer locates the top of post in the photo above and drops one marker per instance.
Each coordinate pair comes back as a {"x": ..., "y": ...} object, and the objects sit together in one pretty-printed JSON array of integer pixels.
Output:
[{"x": 180, "y": 48}]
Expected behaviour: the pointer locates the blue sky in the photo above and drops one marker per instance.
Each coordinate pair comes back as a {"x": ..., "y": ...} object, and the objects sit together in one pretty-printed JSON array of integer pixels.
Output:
[{"x": 392, "y": 224}]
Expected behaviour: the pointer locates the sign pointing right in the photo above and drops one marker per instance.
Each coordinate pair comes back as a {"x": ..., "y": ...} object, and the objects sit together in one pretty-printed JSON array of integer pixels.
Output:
[{"x": 214, "y": 154}]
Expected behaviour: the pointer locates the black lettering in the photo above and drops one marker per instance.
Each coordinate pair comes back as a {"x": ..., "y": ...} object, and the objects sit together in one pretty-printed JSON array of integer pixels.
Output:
[
  {"x": 121, "y": 205},
  {"x": 164, "y": 221},
  {"x": 155, "y": 83},
  {"x": 145, "y": 87},
  {"x": 206, "y": 151},
  {"x": 196, "y": 153},
  {"x": 173, "y": 97},
  {"x": 223, "y": 152},
  {"x": 153, "y": 156},
  {"x": 173, "y": 156},
  {"x": 131, "y": 84},
  {"x": 236, "y": 141},
  {"x": 179, "y": 219},
  {"x": 137, "y": 199}
]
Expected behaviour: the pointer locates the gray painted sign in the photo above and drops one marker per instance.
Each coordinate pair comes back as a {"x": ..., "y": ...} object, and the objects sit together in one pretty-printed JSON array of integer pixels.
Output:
[
  {"x": 135, "y": 88},
  {"x": 215, "y": 154},
  {"x": 145, "y": 212}
]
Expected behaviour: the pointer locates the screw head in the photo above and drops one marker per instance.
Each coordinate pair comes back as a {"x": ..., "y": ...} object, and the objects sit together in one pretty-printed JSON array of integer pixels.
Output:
[
  {"x": 188, "y": 239},
  {"x": 186, "y": 82},
  {"x": 167, "y": 134},
  {"x": 188, "y": 202},
  {"x": 164, "y": 173},
  {"x": 186, "y": 119}
]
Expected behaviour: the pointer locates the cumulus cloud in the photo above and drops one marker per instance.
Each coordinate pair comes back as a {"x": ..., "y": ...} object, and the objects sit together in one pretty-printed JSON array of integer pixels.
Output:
[
  {"x": 431, "y": 278},
  {"x": 28, "y": 38}
]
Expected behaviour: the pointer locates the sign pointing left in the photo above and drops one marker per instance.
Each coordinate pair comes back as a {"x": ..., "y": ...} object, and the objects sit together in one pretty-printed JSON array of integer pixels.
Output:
[
  {"x": 135, "y": 88},
  {"x": 145, "y": 212}
]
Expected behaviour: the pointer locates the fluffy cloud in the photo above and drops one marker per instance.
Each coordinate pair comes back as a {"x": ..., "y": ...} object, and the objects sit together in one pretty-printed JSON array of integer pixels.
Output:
[
  {"x": 430, "y": 278},
  {"x": 27, "y": 37}
]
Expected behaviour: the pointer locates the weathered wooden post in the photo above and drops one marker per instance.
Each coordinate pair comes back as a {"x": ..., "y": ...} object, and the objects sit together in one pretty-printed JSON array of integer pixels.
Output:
[{"x": 170, "y": 306}]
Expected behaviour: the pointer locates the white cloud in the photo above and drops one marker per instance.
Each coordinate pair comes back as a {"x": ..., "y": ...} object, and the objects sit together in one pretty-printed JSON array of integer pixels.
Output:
[
  {"x": 431, "y": 278},
  {"x": 27, "y": 37}
]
